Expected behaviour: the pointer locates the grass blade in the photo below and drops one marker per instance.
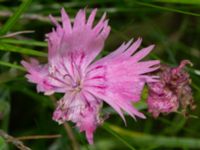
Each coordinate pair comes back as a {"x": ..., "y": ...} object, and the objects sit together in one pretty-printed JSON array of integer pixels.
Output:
[
  {"x": 11, "y": 48},
  {"x": 142, "y": 139},
  {"x": 196, "y": 2},
  {"x": 24, "y": 42},
  {"x": 7, "y": 64},
  {"x": 3, "y": 144},
  {"x": 11, "y": 21},
  {"x": 107, "y": 128},
  {"x": 168, "y": 9}
]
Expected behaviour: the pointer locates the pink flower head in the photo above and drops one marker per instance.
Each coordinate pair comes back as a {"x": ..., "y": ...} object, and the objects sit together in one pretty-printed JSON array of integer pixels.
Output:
[
  {"x": 117, "y": 79},
  {"x": 171, "y": 91}
]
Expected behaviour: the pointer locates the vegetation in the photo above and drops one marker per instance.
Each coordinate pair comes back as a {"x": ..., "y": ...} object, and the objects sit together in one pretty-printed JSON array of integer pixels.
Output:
[{"x": 172, "y": 25}]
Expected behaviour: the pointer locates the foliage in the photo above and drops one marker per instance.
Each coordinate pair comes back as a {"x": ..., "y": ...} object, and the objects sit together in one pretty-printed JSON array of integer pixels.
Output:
[{"x": 172, "y": 25}]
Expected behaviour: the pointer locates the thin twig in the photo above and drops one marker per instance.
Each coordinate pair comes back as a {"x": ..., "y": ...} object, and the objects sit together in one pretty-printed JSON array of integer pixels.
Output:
[
  {"x": 36, "y": 137},
  {"x": 19, "y": 144},
  {"x": 17, "y": 33},
  {"x": 29, "y": 16},
  {"x": 68, "y": 129}
]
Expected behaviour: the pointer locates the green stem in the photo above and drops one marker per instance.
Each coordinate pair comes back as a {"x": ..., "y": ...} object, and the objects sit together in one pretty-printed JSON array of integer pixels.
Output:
[{"x": 11, "y": 21}]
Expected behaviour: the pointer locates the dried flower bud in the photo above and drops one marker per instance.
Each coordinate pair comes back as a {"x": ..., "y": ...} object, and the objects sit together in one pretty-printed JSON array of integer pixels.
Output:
[{"x": 171, "y": 92}]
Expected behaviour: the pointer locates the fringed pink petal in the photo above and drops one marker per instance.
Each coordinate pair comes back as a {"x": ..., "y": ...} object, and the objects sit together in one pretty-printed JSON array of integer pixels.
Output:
[
  {"x": 91, "y": 18},
  {"x": 79, "y": 21},
  {"x": 123, "y": 75},
  {"x": 88, "y": 123},
  {"x": 82, "y": 109},
  {"x": 65, "y": 40},
  {"x": 66, "y": 23},
  {"x": 142, "y": 53},
  {"x": 133, "y": 47},
  {"x": 37, "y": 74}
]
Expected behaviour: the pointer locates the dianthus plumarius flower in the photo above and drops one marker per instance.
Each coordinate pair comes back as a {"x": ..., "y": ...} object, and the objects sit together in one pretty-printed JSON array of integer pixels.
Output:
[
  {"x": 117, "y": 79},
  {"x": 171, "y": 92}
]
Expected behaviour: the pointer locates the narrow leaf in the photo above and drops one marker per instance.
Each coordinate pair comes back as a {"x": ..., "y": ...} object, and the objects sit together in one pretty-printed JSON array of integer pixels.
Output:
[
  {"x": 14, "y": 18},
  {"x": 7, "y": 64},
  {"x": 24, "y": 42},
  {"x": 11, "y": 48},
  {"x": 168, "y": 9},
  {"x": 107, "y": 128},
  {"x": 142, "y": 139},
  {"x": 180, "y": 1}
]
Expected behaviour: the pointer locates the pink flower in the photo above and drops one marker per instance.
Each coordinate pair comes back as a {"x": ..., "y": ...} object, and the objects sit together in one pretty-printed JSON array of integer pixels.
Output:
[
  {"x": 172, "y": 91},
  {"x": 117, "y": 79}
]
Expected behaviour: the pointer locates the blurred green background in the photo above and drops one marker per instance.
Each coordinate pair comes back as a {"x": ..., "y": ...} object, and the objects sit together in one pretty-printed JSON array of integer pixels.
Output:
[{"x": 172, "y": 25}]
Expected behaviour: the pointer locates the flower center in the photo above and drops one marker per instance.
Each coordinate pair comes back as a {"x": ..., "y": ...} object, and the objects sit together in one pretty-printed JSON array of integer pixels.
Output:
[{"x": 76, "y": 86}]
